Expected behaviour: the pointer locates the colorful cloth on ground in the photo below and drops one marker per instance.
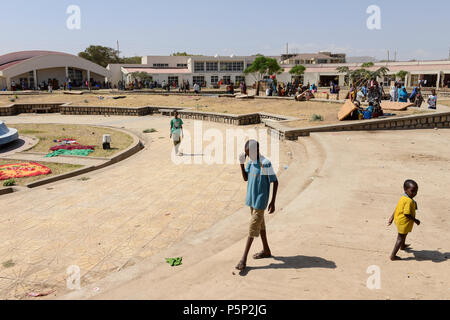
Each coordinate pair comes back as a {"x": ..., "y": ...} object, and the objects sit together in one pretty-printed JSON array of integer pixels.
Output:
[
  {"x": 82, "y": 153},
  {"x": 174, "y": 262},
  {"x": 22, "y": 170},
  {"x": 66, "y": 141},
  {"x": 72, "y": 147}
]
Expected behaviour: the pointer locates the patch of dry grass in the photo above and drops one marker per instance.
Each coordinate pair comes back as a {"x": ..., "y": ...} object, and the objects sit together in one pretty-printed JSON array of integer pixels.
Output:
[
  {"x": 85, "y": 135},
  {"x": 57, "y": 169}
]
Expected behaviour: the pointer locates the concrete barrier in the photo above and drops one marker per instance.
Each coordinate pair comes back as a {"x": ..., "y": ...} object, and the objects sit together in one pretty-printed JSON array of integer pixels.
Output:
[{"x": 418, "y": 121}]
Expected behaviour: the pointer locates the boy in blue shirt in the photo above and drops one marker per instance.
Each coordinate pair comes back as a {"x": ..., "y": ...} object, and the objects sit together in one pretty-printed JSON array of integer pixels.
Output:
[{"x": 260, "y": 175}]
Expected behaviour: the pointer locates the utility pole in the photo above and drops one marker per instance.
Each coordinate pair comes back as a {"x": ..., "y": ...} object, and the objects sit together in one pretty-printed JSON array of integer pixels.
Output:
[
  {"x": 388, "y": 55},
  {"x": 118, "y": 49}
]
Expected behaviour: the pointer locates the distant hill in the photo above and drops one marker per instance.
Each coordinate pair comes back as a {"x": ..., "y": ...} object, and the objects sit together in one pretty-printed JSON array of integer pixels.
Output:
[{"x": 361, "y": 59}]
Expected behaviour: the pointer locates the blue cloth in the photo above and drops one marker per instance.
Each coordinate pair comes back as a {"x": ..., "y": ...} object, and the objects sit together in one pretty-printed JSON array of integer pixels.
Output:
[
  {"x": 260, "y": 176},
  {"x": 364, "y": 90},
  {"x": 414, "y": 93},
  {"x": 367, "y": 115},
  {"x": 403, "y": 95}
]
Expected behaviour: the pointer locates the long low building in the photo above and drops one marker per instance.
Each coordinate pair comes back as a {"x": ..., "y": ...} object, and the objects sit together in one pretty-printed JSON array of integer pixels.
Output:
[
  {"x": 208, "y": 71},
  {"x": 28, "y": 70},
  {"x": 434, "y": 74},
  {"x": 204, "y": 70}
]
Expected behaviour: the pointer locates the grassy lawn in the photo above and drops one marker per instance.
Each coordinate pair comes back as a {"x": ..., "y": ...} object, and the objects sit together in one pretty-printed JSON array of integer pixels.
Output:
[
  {"x": 85, "y": 135},
  {"x": 57, "y": 168}
]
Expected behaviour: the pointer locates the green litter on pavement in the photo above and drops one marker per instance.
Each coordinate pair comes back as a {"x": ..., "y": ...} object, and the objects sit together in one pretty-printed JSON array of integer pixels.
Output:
[{"x": 174, "y": 262}]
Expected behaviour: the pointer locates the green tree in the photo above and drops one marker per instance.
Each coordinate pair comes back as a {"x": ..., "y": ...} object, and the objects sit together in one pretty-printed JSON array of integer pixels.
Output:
[
  {"x": 402, "y": 74},
  {"x": 261, "y": 67},
  {"x": 100, "y": 55},
  {"x": 360, "y": 76},
  {"x": 104, "y": 56},
  {"x": 297, "y": 70},
  {"x": 131, "y": 60}
]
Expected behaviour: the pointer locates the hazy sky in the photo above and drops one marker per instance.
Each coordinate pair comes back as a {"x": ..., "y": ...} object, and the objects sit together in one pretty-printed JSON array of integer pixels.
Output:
[{"x": 417, "y": 29}]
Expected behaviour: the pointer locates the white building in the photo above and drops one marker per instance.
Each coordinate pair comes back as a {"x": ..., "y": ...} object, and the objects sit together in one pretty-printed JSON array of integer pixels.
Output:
[
  {"x": 28, "y": 69},
  {"x": 205, "y": 70}
]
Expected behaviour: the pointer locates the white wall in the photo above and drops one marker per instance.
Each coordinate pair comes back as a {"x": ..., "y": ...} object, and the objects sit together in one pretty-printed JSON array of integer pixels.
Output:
[{"x": 2, "y": 83}]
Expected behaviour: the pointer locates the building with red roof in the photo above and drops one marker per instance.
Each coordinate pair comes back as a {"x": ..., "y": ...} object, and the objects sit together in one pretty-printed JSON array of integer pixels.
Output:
[{"x": 31, "y": 69}]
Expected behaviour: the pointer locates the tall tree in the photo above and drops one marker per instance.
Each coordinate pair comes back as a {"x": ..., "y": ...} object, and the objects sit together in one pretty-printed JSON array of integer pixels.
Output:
[
  {"x": 104, "y": 56},
  {"x": 261, "y": 67},
  {"x": 100, "y": 55}
]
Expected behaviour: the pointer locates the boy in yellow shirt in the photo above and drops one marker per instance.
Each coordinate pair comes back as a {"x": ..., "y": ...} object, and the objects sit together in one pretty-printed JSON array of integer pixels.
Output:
[{"x": 405, "y": 216}]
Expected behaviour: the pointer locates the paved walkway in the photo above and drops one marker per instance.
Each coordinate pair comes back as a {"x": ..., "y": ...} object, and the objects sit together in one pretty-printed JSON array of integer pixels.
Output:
[
  {"x": 119, "y": 217},
  {"x": 330, "y": 228}
]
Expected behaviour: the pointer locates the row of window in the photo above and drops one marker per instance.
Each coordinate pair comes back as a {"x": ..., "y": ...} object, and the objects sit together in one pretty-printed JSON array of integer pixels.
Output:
[
  {"x": 215, "y": 80},
  {"x": 237, "y": 66}
]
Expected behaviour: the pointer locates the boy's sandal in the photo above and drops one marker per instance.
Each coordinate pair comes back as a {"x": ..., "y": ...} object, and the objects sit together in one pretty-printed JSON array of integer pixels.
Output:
[{"x": 261, "y": 255}]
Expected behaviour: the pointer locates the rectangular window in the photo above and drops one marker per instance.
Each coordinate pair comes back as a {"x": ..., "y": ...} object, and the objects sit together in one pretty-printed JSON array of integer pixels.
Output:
[
  {"x": 199, "y": 80},
  {"x": 199, "y": 67},
  {"x": 173, "y": 80},
  {"x": 226, "y": 79},
  {"x": 214, "y": 79},
  {"x": 232, "y": 66},
  {"x": 160, "y": 65},
  {"x": 212, "y": 66},
  {"x": 182, "y": 65},
  {"x": 240, "y": 79}
]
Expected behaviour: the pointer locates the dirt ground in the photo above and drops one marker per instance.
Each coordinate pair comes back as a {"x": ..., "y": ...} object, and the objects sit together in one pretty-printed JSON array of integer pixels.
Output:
[
  {"x": 302, "y": 110},
  {"x": 200, "y": 103}
]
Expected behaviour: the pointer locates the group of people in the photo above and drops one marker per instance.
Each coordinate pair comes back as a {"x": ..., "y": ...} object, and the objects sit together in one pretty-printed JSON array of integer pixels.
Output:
[
  {"x": 400, "y": 94},
  {"x": 295, "y": 88}
]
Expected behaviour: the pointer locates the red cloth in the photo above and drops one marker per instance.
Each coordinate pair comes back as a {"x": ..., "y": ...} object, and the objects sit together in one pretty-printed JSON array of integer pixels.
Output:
[{"x": 72, "y": 147}]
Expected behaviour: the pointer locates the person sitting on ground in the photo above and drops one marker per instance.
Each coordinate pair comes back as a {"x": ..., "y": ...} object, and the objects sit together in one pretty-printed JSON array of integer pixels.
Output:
[
  {"x": 305, "y": 96},
  {"x": 196, "y": 88},
  {"x": 405, "y": 217},
  {"x": 259, "y": 174},
  {"x": 432, "y": 100}
]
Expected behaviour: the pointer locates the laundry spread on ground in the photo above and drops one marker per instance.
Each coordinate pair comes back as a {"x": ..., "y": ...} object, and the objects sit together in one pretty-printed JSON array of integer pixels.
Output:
[
  {"x": 174, "y": 262},
  {"x": 23, "y": 170},
  {"x": 63, "y": 152},
  {"x": 70, "y": 147}
]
